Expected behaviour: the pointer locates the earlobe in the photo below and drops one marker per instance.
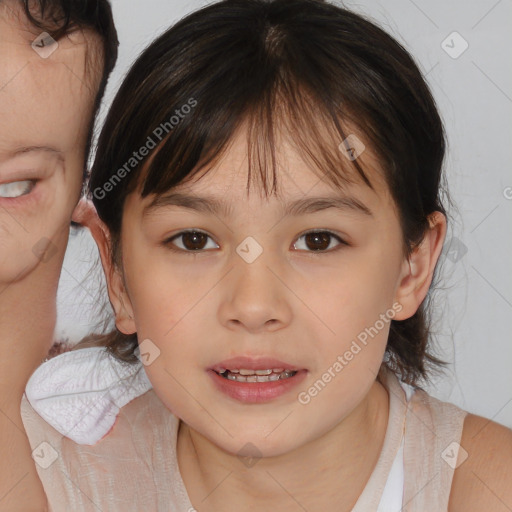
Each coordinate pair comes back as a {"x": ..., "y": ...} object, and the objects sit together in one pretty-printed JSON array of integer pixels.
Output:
[
  {"x": 85, "y": 214},
  {"x": 418, "y": 269}
]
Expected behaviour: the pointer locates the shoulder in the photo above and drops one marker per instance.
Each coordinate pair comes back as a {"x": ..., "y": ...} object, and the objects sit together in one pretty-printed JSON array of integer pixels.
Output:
[
  {"x": 484, "y": 480},
  {"x": 138, "y": 455}
]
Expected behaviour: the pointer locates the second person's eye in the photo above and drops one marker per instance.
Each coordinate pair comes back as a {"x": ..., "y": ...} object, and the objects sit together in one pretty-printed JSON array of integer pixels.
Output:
[
  {"x": 16, "y": 188},
  {"x": 319, "y": 241},
  {"x": 192, "y": 240}
]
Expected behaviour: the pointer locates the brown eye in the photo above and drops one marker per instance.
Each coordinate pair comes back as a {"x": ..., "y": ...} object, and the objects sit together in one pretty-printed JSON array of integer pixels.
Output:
[
  {"x": 194, "y": 241},
  {"x": 319, "y": 241},
  {"x": 190, "y": 241}
]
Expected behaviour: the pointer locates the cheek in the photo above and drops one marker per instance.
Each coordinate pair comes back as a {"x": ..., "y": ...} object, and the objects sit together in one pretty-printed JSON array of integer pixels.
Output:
[
  {"x": 169, "y": 328},
  {"x": 357, "y": 316},
  {"x": 33, "y": 232},
  {"x": 166, "y": 304}
]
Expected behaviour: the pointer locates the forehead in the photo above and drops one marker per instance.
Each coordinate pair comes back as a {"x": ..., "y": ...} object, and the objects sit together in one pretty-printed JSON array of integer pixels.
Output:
[
  {"x": 43, "y": 99},
  {"x": 225, "y": 192},
  {"x": 295, "y": 175}
]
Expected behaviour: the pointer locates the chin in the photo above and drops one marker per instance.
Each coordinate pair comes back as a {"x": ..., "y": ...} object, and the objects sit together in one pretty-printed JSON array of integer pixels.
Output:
[{"x": 253, "y": 446}]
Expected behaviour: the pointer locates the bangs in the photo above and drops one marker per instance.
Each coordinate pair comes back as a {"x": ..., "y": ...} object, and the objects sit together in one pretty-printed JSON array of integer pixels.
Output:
[
  {"x": 269, "y": 86},
  {"x": 288, "y": 114},
  {"x": 278, "y": 74}
]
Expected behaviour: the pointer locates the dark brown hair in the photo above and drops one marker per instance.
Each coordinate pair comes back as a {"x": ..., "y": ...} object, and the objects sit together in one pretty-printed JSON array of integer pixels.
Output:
[{"x": 316, "y": 72}]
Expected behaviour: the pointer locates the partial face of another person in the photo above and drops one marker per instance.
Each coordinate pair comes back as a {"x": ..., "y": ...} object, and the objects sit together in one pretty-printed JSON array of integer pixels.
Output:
[{"x": 47, "y": 96}]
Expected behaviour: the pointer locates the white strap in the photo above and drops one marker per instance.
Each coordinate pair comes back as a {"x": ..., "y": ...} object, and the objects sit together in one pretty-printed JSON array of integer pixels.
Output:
[{"x": 80, "y": 393}]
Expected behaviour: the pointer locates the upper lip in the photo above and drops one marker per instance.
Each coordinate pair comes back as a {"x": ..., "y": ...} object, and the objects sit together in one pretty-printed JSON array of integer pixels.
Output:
[{"x": 250, "y": 363}]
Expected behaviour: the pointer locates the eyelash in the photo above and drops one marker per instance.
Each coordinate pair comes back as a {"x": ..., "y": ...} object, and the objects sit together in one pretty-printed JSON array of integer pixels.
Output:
[{"x": 169, "y": 242}]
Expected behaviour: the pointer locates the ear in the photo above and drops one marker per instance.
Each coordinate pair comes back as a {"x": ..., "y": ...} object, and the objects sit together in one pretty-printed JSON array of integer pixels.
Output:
[
  {"x": 418, "y": 269},
  {"x": 86, "y": 215}
]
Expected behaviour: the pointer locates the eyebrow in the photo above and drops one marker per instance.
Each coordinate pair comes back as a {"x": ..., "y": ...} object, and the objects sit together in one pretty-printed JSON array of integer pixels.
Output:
[
  {"x": 215, "y": 206},
  {"x": 23, "y": 150},
  {"x": 36, "y": 149}
]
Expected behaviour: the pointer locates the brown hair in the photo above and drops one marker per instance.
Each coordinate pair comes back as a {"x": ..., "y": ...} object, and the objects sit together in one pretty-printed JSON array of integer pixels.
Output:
[{"x": 305, "y": 65}]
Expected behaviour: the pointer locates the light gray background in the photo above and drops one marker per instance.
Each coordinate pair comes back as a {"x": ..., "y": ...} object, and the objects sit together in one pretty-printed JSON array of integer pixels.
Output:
[{"x": 474, "y": 94}]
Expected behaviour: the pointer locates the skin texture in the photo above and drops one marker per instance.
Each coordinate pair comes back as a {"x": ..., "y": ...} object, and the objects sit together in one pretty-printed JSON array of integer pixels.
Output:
[
  {"x": 482, "y": 481},
  {"x": 291, "y": 303},
  {"x": 43, "y": 103}
]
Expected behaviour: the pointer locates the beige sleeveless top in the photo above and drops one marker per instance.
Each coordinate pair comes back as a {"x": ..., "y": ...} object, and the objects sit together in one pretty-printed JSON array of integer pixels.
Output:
[{"x": 134, "y": 468}]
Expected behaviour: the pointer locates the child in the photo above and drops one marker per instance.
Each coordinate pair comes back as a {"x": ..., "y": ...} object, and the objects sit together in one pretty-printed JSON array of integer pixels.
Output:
[
  {"x": 55, "y": 58},
  {"x": 268, "y": 184}
]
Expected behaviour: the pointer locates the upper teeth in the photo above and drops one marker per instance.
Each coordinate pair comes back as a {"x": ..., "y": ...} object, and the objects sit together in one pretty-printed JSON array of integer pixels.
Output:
[
  {"x": 243, "y": 371},
  {"x": 244, "y": 375}
]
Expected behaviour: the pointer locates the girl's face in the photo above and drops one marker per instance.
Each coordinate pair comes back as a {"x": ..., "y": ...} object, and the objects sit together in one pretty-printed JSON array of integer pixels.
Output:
[{"x": 252, "y": 290}]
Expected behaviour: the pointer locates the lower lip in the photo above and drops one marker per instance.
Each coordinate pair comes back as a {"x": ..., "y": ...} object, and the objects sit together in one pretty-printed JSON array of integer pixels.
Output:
[{"x": 256, "y": 392}]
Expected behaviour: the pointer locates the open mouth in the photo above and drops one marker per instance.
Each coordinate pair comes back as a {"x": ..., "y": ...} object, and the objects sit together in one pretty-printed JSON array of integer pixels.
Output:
[
  {"x": 243, "y": 375},
  {"x": 266, "y": 379}
]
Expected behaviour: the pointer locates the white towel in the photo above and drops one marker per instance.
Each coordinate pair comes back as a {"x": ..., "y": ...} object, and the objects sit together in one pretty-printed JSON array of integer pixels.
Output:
[{"x": 80, "y": 393}]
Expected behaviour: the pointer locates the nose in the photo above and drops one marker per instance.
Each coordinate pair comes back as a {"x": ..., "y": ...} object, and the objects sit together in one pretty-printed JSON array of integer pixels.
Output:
[{"x": 256, "y": 298}]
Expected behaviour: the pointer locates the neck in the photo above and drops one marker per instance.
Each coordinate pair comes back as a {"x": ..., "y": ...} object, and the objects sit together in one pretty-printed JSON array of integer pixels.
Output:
[{"x": 332, "y": 469}]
